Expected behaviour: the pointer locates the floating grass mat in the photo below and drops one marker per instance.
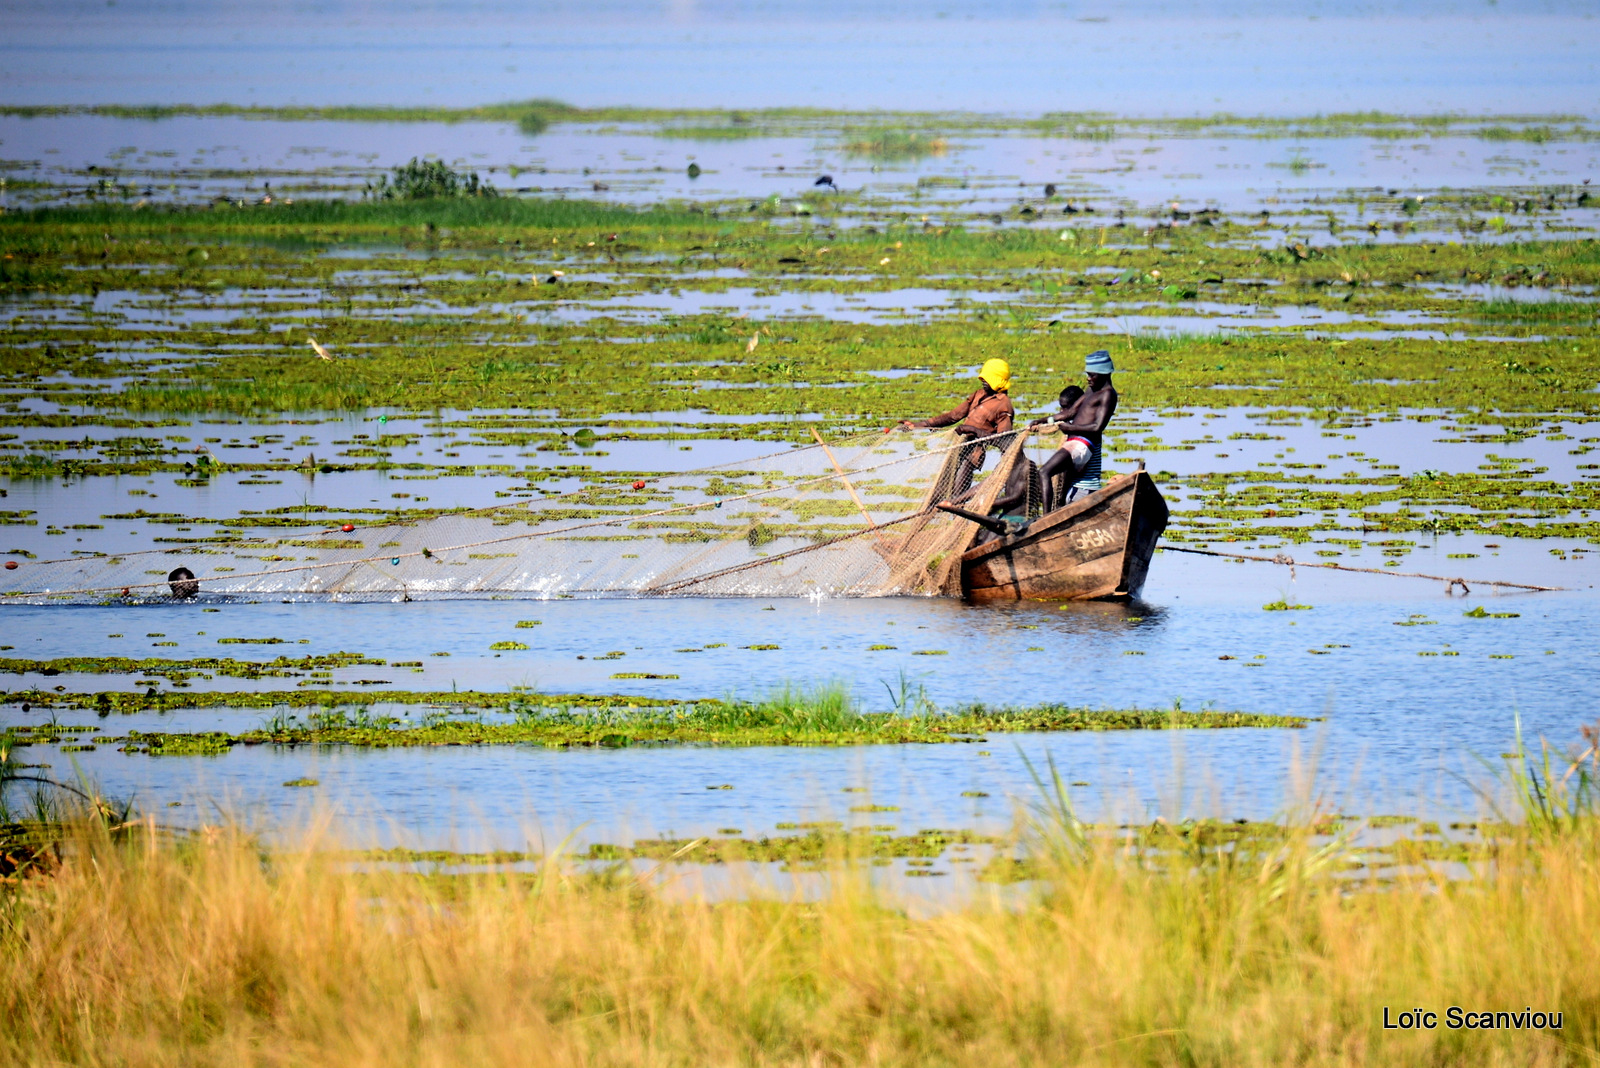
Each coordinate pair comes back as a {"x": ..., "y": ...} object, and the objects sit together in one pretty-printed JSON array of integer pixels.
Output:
[
  {"x": 153, "y": 700},
  {"x": 341, "y": 220},
  {"x": 893, "y": 143},
  {"x": 465, "y": 331},
  {"x": 183, "y": 670},
  {"x": 162, "y": 246},
  {"x": 414, "y": 367},
  {"x": 1300, "y": 508},
  {"x": 829, "y": 844},
  {"x": 819, "y": 843},
  {"x": 610, "y": 722}
]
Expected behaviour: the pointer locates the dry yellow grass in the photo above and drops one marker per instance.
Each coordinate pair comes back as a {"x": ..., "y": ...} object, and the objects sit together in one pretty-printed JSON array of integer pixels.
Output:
[{"x": 205, "y": 952}]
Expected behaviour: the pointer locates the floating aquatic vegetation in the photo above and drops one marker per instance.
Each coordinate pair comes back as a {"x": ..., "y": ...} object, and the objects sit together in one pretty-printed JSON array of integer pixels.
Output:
[
  {"x": 893, "y": 143},
  {"x": 786, "y": 717},
  {"x": 186, "y": 669}
]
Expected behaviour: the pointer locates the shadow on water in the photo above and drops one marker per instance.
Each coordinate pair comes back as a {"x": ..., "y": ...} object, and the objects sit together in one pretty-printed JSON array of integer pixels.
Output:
[{"x": 1078, "y": 619}]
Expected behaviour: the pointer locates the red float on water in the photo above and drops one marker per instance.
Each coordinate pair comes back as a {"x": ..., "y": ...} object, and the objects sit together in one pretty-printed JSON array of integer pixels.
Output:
[
  {"x": 348, "y": 527},
  {"x": 638, "y": 485},
  {"x": 11, "y": 565}
]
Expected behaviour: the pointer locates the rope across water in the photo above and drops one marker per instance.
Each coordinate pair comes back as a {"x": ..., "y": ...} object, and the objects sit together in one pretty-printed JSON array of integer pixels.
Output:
[{"x": 1291, "y": 562}]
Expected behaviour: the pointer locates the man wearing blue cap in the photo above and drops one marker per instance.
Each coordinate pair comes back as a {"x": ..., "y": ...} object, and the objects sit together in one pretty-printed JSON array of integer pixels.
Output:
[{"x": 1084, "y": 424}]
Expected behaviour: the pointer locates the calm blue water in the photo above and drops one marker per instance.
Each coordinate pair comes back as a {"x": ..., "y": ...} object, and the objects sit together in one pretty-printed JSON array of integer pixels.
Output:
[
  {"x": 1025, "y": 56},
  {"x": 1402, "y": 731}
]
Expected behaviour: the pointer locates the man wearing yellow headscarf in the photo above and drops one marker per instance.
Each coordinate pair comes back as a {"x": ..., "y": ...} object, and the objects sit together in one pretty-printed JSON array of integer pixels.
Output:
[{"x": 983, "y": 415}]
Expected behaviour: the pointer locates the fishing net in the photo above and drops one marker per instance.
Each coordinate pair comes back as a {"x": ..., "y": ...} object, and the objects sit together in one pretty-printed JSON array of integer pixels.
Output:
[{"x": 855, "y": 518}]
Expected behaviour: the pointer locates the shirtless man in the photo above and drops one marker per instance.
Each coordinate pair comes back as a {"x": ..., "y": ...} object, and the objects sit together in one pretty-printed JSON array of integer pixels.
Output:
[
  {"x": 1084, "y": 425},
  {"x": 1022, "y": 487}
]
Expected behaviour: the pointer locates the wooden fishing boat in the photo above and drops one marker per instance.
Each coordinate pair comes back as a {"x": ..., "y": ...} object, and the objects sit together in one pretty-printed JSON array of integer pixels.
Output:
[{"x": 1096, "y": 548}]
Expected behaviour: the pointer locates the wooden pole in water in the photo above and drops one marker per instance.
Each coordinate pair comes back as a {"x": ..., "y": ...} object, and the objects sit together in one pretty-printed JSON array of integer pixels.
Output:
[{"x": 854, "y": 496}]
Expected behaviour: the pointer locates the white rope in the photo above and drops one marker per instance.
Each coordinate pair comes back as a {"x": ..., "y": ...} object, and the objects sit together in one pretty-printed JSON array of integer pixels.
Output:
[{"x": 1291, "y": 563}]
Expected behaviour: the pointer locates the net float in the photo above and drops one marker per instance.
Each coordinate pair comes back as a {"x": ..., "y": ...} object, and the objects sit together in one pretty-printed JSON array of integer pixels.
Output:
[
  {"x": 639, "y": 484},
  {"x": 348, "y": 527},
  {"x": 395, "y": 561},
  {"x": 11, "y": 565}
]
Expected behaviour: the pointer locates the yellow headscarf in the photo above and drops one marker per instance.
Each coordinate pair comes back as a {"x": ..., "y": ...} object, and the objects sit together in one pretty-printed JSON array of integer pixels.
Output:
[{"x": 996, "y": 374}]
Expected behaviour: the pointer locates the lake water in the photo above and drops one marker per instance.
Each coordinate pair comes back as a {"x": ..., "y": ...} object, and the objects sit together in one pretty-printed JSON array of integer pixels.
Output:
[
  {"x": 1020, "y": 56},
  {"x": 1415, "y": 700},
  {"x": 1311, "y": 186},
  {"x": 1412, "y": 694},
  {"x": 1405, "y": 728}
]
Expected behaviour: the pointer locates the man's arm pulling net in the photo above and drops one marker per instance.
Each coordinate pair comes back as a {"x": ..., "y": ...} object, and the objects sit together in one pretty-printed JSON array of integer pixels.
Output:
[{"x": 852, "y": 518}]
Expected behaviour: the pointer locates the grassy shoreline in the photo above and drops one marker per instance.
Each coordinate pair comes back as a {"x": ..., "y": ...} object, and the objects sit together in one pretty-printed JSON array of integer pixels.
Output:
[{"x": 1210, "y": 945}]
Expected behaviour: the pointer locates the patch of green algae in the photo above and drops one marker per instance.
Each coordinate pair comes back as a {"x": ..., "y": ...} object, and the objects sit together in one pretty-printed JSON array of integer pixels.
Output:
[
  {"x": 463, "y": 330},
  {"x": 611, "y": 722}
]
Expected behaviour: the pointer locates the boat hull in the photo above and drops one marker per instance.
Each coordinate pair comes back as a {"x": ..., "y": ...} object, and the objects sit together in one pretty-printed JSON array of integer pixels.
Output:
[{"x": 1097, "y": 548}]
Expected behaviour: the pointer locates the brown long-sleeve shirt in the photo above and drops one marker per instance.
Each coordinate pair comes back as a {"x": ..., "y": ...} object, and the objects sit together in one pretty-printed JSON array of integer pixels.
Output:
[{"x": 983, "y": 414}]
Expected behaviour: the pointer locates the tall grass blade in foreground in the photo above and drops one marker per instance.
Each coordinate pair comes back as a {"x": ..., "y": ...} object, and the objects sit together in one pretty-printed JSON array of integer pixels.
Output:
[
  {"x": 1551, "y": 801},
  {"x": 1059, "y": 838}
]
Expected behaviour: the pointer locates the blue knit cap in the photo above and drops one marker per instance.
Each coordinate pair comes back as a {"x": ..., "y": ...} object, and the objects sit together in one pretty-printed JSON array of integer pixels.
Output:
[{"x": 1098, "y": 362}]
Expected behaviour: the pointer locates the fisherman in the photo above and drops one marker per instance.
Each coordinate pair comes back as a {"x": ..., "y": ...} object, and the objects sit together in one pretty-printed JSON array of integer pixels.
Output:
[
  {"x": 1014, "y": 506},
  {"x": 984, "y": 414},
  {"x": 183, "y": 583},
  {"x": 1084, "y": 424},
  {"x": 1069, "y": 397},
  {"x": 1023, "y": 490}
]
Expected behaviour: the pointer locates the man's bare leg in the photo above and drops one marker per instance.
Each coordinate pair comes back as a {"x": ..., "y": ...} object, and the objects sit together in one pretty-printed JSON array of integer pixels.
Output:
[{"x": 1062, "y": 462}]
